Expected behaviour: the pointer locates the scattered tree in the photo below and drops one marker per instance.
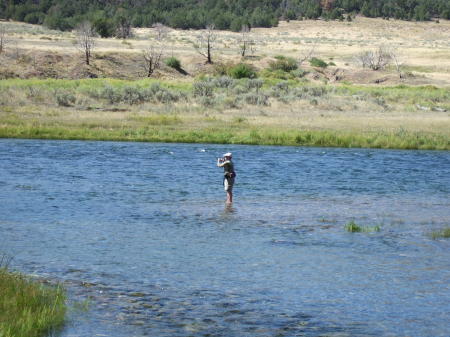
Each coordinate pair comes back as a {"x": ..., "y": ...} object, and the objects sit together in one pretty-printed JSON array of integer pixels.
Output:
[
  {"x": 161, "y": 31},
  {"x": 153, "y": 54},
  {"x": 3, "y": 38},
  {"x": 375, "y": 59},
  {"x": 123, "y": 25},
  {"x": 104, "y": 27},
  {"x": 152, "y": 57},
  {"x": 246, "y": 42},
  {"x": 85, "y": 39},
  {"x": 398, "y": 62},
  {"x": 327, "y": 4},
  {"x": 205, "y": 42},
  {"x": 307, "y": 54}
]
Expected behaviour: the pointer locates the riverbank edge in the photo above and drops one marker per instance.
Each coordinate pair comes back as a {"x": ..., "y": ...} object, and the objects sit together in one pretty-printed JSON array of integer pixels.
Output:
[
  {"x": 42, "y": 120},
  {"x": 29, "y": 308},
  {"x": 245, "y": 136}
]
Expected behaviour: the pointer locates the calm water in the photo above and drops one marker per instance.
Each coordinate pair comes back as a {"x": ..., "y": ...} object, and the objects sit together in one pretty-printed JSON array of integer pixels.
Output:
[{"x": 141, "y": 231}]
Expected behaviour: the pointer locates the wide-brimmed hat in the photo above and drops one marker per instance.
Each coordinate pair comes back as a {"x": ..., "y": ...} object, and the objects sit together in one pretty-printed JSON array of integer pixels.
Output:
[{"x": 228, "y": 154}]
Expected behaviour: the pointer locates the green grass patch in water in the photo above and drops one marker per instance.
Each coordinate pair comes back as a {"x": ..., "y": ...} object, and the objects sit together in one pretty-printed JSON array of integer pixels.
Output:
[
  {"x": 441, "y": 234},
  {"x": 353, "y": 227}
]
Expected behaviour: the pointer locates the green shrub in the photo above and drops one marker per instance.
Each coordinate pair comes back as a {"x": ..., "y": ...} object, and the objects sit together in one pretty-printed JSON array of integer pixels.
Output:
[
  {"x": 65, "y": 99},
  {"x": 316, "y": 62},
  {"x": 221, "y": 69},
  {"x": 299, "y": 73},
  {"x": 173, "y": 62},
  {"x": 203, "y": 88},
  {"x": 314, "y": 91},
  {"x": 104, "y": 27},
  {"x": 224, "y": 82},
  {"x": 256, "y": 99},
  {"x": 111, "y": 94},
  {"x": 166, "y": 96},
  {"x": 240, "y": 89},
  {"x": 242, "y": 70},
  {"x": 278, "y": 74},
  {"x": 254, "y": 84},
  {"x": 283, "y": 63},
  {"x": 279, "y": 90},
  {"x": 207, "y": 101},
  {"x": 134, "y": 95}
]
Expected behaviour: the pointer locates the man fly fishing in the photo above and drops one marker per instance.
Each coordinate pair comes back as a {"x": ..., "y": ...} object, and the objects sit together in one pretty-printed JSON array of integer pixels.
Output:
[{"x": 228, "y": 174}]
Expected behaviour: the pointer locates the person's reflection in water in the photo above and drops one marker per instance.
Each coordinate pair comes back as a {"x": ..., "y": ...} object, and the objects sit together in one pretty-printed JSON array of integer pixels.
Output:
[
  {"x": 228, "y": 214},
  {"x": 229, "y": 209}
]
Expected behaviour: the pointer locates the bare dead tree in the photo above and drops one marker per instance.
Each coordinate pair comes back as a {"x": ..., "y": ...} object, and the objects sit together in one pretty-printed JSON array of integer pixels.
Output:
[
  {"x": 375, "y": 59},
  {"x": 154, "y": 53},
  {"x": 307, "y": 54},
  {"x": 123, "y": 30},
  {"x": 398, "y": 62},
  {"x": 161, "y": 31},
  {"x": 205, "y": 42},
  {"x": 85, "y": 39},
  {"x": 3, "y": 38},
  {"x": 152, "y": 58},
  {"x": 247, "y": 44}
]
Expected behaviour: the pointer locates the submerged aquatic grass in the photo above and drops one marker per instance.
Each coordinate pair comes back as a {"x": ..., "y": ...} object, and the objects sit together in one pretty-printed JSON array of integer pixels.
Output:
[
  {"x": 353, "y": 227},
  {"x": 29, "y": 308},
  {"x": 441, "y": 234}
]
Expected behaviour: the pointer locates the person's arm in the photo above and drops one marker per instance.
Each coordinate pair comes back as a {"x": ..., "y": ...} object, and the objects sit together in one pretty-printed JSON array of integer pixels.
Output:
[{"x": 222, "y": 164}]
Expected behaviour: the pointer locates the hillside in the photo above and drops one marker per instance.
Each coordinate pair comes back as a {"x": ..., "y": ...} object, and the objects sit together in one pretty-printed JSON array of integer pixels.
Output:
[
  {"x": 422, "y": 48},
  {"x": 112, "y": 16}
]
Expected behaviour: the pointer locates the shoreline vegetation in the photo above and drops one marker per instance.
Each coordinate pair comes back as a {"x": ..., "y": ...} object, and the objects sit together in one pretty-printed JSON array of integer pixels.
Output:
[
  {"x": 29, "y": 308},
  {"x": 222, "y": 109}
]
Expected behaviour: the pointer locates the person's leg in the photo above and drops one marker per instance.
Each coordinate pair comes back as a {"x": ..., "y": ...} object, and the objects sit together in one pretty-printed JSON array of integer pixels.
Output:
[
  {"x": 229, "y": 196},
  {"x": 228, "y": 186}
]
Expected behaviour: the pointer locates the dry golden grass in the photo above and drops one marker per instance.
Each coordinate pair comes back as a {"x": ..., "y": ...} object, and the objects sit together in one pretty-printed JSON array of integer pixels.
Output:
[{"x": 328, "y": 115}]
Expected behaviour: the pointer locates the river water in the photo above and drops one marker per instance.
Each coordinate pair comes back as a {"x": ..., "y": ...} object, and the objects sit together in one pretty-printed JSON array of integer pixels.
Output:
[{"x": 141, "y": 238}]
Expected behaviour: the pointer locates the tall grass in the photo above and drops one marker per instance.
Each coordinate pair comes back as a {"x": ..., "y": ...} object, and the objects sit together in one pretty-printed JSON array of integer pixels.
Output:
[
  {"x": 28, "y": 308},
  {"x": 425, "y": 95},
  {"x": 214, "y": 94},
  {"x": 172, "y": 129}
]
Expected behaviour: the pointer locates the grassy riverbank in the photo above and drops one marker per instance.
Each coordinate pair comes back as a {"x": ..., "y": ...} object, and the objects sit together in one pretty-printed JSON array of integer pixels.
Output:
[
  {"x": 28, "y": 308},
  {"x": 224, "y": 110}
]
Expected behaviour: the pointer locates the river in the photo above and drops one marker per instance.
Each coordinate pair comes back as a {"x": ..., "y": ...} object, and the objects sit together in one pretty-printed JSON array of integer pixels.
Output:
[{"x": 140, "y": 236}]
